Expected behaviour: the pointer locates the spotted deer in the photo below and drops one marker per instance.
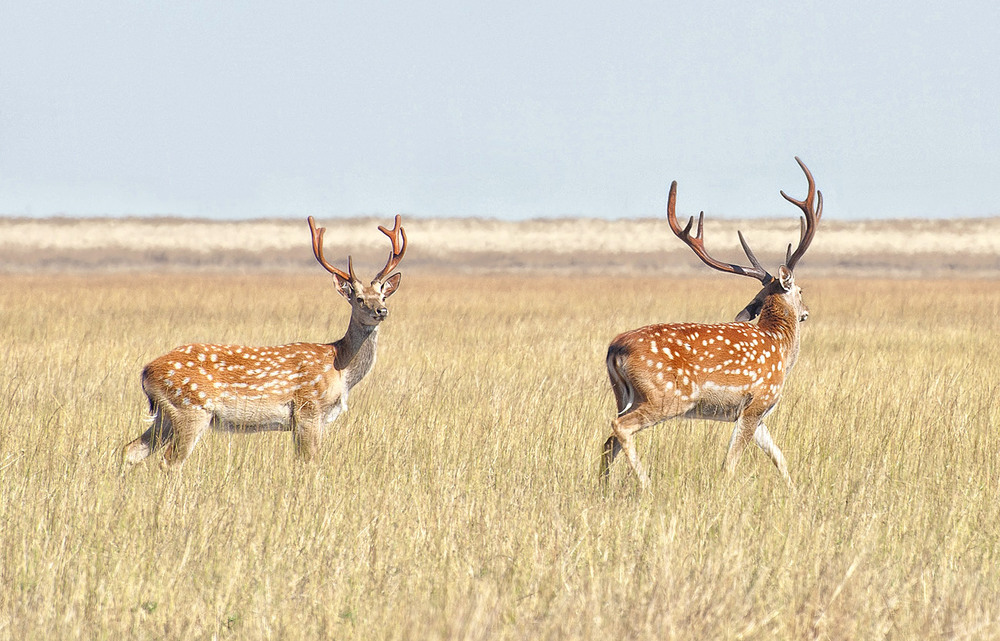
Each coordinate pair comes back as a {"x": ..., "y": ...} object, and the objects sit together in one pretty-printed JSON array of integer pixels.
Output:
[
  {"x": 723, "y": 372},
  {"x": 300, "y": 387}
]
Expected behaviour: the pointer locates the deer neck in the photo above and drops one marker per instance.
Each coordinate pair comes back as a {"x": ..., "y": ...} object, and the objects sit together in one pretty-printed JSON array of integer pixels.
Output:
[
  {"x": 356, "y": 351},
  {"x": 782, "y": 320}
]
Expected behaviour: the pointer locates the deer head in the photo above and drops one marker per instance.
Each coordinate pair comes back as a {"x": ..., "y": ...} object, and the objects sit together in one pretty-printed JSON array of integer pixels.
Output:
[
  {"x": 782, "y": 288},
  {"x": 367, "y": 301}
]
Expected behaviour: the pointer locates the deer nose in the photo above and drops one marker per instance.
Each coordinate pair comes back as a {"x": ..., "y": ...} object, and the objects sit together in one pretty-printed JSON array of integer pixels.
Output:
[
  {"x": 381, "y": 313},
  {"x": 804, "y": 315}
]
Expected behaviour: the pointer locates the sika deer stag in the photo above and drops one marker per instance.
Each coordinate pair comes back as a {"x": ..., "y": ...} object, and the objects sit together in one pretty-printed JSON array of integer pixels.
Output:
[
  {"x": 722, "y": 372},
  {"x": 301, "y": 387}
]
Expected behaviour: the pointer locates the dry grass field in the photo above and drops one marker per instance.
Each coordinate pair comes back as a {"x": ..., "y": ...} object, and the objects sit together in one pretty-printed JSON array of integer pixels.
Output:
[{"x": 458, "y": 498}]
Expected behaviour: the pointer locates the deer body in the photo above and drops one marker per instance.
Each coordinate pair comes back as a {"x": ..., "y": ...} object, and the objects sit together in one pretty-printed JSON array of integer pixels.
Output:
[
  {"x": 733, "y": 372},
  {"x": 299, "y": 387},
  {"x": 254, "y": 389}
]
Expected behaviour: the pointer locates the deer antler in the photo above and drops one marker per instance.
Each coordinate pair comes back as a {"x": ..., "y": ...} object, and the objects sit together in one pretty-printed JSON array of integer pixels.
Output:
[
  {"x": 809, "y": 220},
  {"x": 697, "y": 244},
  {"x": 397, "y": 236},
  {"x": 317, "y": 242}
]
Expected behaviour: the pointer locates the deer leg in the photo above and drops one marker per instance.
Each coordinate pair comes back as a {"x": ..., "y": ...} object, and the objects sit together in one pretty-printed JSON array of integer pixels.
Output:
[
  {"x": 158, "y": 433},
  {"x": 307, "y": 433},
  {"x": 763, "y": 440},
  {"x": 307, "y": 442},
  {"x": 624, "y": 429},
  {"x": 742, "y": 433},
  {"x": 612, "y": 447},
  {"x": 187, "y": 429}
]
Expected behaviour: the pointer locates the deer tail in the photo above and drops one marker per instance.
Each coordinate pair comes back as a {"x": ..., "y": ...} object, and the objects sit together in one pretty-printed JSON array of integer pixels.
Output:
[
  {"x": 620, "y": 381},
  {"x": 154, "y": 409}
]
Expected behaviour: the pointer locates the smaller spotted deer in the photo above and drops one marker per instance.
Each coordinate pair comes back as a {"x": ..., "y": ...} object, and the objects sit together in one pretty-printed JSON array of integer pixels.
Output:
[
  {"x": 723, "y": 372},
  {"x": 300, "y": 387}
]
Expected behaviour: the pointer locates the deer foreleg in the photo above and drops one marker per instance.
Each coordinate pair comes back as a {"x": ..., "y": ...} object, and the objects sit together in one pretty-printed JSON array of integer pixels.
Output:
[
  {"x": 307, "y": 432},
  {"x": 742, "y": 432},
  {"x": 763, "y": 440}
]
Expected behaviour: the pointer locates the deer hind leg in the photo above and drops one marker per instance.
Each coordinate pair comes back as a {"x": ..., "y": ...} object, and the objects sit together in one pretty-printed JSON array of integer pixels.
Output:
[
  {"x": 159, "y": 432},
  {"x": 612, "y": 447},
  {"x": 188, "y": 426},
  {"x": 763, "y": 440},
  {"x": 623, "y": 399},
  {"x": 628, "y": 422},
  {"x": 623, "y": 431}
]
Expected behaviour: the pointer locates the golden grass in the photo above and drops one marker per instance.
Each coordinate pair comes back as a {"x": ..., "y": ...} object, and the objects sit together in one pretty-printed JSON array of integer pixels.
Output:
[{"x": 458, "y": 498}]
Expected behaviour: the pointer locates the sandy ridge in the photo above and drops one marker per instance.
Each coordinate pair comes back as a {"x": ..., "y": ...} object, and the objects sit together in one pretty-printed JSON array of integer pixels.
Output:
[{"x": 438, "y": 237}]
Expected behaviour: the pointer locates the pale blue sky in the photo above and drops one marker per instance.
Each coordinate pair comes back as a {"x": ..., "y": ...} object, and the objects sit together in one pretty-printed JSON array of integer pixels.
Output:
[{"x": 508, "y": 110}]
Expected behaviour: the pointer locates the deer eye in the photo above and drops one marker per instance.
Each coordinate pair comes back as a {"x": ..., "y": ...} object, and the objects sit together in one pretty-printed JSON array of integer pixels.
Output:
[{"x": 360, "y": 300}]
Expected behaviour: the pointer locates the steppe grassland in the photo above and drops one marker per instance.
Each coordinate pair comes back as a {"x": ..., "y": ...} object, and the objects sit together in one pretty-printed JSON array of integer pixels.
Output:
[{"x": 458, "y": 497}]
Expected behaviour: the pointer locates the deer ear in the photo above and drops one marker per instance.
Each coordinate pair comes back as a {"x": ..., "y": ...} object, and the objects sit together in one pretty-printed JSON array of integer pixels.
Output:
[
  {"x": 750, "y": 312},
  {"x": 785, "y": 278},
  {"x": 344, "y": 286},
  {"x": 391, "y": 284}
]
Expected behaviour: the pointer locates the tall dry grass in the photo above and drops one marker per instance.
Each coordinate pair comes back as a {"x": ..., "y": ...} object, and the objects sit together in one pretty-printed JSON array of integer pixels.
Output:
[{"x": 458, "y": 498}]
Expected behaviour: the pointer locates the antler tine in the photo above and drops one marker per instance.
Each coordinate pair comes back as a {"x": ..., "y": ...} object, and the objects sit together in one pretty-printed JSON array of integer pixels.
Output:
[
  {"x": 397, "y": 236},
  {"x": 810, "y": 218},
  {"x": 317, "y": 243},
  {"x": 749, "y": 252},
  {"x": 697, "y": 244}
]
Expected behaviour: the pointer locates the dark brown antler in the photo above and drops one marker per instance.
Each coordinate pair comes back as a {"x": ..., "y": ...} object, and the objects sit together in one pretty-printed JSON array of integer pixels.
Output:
[
  {"x": 697, "y": 244},
  {"x": 809, "y": 220},
  {"x": 397, "y": 236},
  {"x": 317, "y": 242}
]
